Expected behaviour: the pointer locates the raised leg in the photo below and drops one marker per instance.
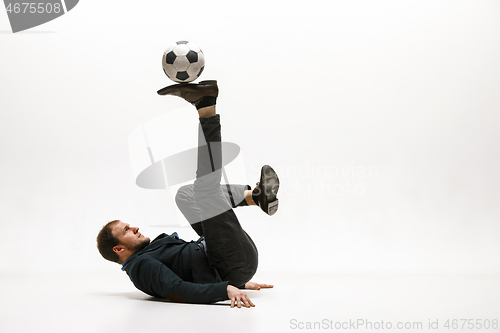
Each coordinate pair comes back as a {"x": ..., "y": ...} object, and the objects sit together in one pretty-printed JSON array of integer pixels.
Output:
[{"x": 229, "y": 248}]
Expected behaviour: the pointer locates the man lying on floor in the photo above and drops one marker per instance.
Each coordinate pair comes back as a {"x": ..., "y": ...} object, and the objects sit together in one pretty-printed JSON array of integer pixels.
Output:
[{"x": 224, "y": 259}]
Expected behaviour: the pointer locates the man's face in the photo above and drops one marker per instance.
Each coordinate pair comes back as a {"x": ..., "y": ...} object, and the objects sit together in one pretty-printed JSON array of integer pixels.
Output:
[{"x": 129, "y": 237}]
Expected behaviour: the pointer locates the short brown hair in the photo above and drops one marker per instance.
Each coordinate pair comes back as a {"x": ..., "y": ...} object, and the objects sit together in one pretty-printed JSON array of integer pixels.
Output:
[{"x": 106, "y": 241}]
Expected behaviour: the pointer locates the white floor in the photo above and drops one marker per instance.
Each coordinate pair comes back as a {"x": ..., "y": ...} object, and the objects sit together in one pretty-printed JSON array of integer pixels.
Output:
[{"x": 299, "y": 302}]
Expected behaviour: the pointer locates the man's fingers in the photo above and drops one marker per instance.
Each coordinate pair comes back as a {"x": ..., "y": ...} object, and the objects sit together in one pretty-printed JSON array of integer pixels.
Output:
[
  {"x": 257, "y": 286},
  {"x": 245, "y": 302},
  {"x": 263, "y": 285},
  {"x": 237, "y": 299},
  {"x": 248, "y": 302}
]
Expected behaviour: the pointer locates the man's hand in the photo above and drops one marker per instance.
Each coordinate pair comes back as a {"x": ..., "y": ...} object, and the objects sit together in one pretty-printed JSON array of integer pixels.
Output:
[
  {"x": 237, "y": 297},
  {"x": 257, "y": 286}
]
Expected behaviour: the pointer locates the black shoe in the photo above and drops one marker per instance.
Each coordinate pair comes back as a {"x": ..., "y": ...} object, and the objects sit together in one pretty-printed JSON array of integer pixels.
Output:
[
  {"x": 264, "y": 194},
  {"x": 192, "y": 92}
]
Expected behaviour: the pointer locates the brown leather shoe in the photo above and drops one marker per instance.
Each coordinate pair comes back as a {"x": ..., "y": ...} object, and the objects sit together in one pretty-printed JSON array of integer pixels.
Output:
[
  {"x": 264, "y": 194},
  {"x": 192, "y": 92}
]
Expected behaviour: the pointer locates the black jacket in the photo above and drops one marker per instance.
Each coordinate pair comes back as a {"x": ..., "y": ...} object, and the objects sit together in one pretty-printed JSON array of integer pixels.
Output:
[{"x": 172, "y": 268}]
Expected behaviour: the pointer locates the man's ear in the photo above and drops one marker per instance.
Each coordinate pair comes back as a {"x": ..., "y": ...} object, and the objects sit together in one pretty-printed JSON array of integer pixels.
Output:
[{"x": 118, "y": 249}]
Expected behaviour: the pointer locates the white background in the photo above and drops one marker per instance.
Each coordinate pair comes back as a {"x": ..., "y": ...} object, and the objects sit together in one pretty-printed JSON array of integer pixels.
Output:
[{"x": 381, "y": 118}]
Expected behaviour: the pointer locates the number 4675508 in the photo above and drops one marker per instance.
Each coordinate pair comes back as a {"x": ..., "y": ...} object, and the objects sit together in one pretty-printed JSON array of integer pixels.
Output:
[
  {"x": 471, "y": 324},
  {"x": 33, "y": 7}
]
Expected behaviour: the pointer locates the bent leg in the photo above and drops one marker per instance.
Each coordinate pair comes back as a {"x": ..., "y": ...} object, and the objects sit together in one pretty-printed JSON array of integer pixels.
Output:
[{"x": 234, "y": 194}]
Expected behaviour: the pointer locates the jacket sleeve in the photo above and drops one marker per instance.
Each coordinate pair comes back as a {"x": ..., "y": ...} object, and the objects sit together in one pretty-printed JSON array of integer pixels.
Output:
[{"x": 154, "y": 278}]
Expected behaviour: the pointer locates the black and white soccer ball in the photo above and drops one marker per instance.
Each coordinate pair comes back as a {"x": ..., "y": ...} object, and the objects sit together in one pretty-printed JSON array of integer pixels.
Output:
[{"x": 183, "y": 62}]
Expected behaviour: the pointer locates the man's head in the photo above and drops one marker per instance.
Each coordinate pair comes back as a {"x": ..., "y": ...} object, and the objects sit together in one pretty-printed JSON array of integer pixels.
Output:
[{"x": 118, "y": 240}]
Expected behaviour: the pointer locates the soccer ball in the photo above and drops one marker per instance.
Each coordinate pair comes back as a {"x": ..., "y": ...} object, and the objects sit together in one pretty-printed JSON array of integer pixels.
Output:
[{"x": 183, "y": 62}]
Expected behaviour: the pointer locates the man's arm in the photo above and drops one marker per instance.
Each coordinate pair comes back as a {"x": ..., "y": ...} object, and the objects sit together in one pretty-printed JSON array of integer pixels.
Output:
[{"x": 154, "y": 278}]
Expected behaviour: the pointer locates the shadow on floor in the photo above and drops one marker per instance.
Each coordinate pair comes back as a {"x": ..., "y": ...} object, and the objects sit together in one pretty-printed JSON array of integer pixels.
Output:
[{"x": 143, "y": 297}]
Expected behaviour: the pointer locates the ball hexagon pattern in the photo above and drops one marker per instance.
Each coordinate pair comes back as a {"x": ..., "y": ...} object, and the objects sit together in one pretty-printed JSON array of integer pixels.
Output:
[{"x": 183, "y": 62}]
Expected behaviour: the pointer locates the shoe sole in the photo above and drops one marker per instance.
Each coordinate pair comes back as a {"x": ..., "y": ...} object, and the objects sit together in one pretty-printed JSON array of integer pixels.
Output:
[
  {"x": 208, "y": 82},
  {"x": 272, "y": 207},
  {"x": 172, "y": 90},
  {"x": 270, "y": 183}
]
